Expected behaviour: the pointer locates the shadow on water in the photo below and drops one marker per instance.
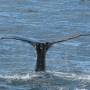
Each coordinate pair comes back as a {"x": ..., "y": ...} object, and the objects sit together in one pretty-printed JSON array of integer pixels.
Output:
[
  {"x": 85, "y": 1},
  {"x": 27, "y": 10},
  {"x": 24, "y": 9}
]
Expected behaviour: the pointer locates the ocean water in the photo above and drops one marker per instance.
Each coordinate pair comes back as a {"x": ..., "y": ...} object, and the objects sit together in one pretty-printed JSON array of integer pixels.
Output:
[{"x": 67, "y": 63}]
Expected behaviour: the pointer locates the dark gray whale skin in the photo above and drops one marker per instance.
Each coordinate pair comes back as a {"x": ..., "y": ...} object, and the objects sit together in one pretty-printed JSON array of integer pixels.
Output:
[{"x": 42, "y": 47}]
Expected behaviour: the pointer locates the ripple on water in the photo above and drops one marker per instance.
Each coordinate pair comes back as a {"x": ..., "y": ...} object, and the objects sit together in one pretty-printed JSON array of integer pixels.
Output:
[{"x": 48, "y": 79}]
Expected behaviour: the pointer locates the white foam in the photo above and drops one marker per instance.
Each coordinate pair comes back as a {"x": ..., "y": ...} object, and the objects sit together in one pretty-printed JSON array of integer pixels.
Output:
[
  {"x": 18, "y": 77},
  {"x": 28, "y": 76},
  {"x": 72, "y": 76},
  {"x": 80, "y": 89}
]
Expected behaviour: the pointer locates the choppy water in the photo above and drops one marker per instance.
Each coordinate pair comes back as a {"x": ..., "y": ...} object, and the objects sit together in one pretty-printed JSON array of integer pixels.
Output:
[{"x": 67, "y": 64}]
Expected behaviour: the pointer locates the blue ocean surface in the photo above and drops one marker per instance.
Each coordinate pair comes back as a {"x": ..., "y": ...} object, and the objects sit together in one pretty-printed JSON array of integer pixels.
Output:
[{"x": 67, "y": 63}]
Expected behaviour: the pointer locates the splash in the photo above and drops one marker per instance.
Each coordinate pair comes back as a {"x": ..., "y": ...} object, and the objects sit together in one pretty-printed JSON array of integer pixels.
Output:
[
  {"x": 72, "y": 76},
  {"x": 46, "y": 75}
]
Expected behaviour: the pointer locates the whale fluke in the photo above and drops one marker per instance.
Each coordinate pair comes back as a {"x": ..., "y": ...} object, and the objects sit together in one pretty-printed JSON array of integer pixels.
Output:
[
  {"x": 70, "y": 37},
  {"x": 30, "y": 41},
  {"x": 42, "y": 47}
]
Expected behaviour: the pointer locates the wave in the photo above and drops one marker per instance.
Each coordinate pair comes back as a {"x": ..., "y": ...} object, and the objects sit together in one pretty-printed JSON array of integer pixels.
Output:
[
  {"x": 48, "y": 80},
  {"x": 18, "y": 77},
  {"x": 46, "y": 75},
  {"x": 72, "y": 76}
]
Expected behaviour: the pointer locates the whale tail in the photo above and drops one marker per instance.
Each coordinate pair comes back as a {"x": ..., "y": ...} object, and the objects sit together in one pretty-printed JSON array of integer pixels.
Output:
[
  {"x": 70, "y": 37},
  {"x": 30, "y": 41},
  {"x": 42, "y": 47}
]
